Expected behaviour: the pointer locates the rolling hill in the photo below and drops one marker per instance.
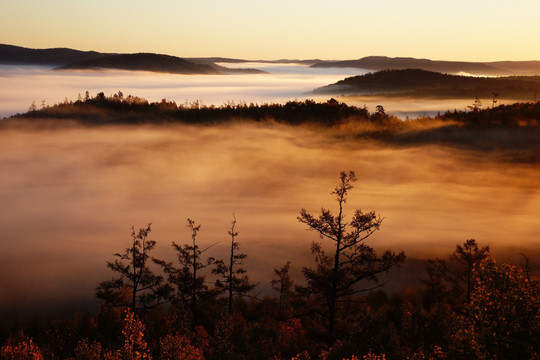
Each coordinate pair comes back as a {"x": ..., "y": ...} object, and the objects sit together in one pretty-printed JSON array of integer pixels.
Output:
[
  {"x": 63, "y": 59},
  {"x": 499, "y": 68},
  {"x": 16, "y": 55},
  {"x": 144, "y": 62},
  {"x": 416, "y": 82}
]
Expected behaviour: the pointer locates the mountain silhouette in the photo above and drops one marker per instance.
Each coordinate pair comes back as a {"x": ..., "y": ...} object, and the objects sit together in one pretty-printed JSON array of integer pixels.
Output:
[
  {"x": 144, "y": 61},
  {"x": 63, "y": 58},
  {"x": 10, "y": 54},
  {"x": 500, "y": 68},
  {"x": 416, "y": 82},
  {"x": 75, "y": 59}
]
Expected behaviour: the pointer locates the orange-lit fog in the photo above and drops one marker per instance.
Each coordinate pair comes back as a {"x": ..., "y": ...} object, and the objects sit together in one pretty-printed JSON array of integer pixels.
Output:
[{"x": 70, "y": 196}]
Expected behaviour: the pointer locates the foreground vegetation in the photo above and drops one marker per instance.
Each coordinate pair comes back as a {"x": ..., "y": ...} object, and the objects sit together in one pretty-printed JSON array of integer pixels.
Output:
[{"x": 198, "y": 307}]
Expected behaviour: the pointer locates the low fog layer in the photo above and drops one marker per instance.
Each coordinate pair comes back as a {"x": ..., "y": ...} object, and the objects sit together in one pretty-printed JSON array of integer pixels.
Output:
[
  {"x": 70, "y": 196},
  {"x": 20, "y": 85},
  {"x": 408, "y": 107}
]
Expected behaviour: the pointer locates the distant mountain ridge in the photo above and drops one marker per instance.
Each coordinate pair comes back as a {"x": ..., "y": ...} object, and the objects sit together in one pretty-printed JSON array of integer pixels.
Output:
[
  {"x": 499, "y": 68},
  {"x": 16, "y": 55},
  {"x": 416, "y": 82},
  {"x": 75, "y": 59},
  {"x": 239, "y": 61},
  {"x": 63, "y": 59},
  {"x": 143, "y": 62}
]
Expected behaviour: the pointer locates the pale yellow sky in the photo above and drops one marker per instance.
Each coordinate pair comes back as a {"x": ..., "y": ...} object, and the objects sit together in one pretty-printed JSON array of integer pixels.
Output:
[{"x": 469, "y": 30}]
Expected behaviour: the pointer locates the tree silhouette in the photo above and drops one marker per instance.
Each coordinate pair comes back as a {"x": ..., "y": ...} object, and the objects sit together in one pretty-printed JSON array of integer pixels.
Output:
[
  {"x": 32, "y": 106},
  {"x": 495, "y": 99},
  {"x": 233, "y": 278},
  {"x": 137, "y": 288},
  {"x": 338, "y": 276},
  {"x": 476, "y": 106},
  {"x": 283, "y": 284},
  {"x": 453, "y": 279},
  {"x": 380, "y": 115},
  {"x": 190, "y": 284}
]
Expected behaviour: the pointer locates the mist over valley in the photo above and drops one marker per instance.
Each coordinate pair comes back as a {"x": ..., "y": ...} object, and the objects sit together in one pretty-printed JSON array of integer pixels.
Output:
[
  {"x": 73, "y": 190},
  {"x": 269, "y": 180},
  {"x": 104, "y": 147}
]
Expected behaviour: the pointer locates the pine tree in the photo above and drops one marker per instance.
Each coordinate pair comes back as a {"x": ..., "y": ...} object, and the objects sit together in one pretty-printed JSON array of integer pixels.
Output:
[
  {"x": 190, "y": 284},
  {"x": 233, "y": 278},
  {"x": 338, "y": 276},
  {"x": 137, "y": 287}
]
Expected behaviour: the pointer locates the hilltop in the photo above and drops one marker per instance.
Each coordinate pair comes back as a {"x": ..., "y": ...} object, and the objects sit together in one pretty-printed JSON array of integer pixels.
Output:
[
  {"x": 66, "y": 58},
  {"x": 499, "y": 68},
  {"x": 16, "y": 55},
  {"x": 63, "y": 59},
  {"x": 416, "y": 82},
  {"x": 153, "y": 62},
  {"x": 142, "y": 61}
]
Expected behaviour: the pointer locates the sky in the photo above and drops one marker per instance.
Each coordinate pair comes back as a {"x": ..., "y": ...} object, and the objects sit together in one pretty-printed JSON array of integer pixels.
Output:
[{"x": 465, "y": 30}]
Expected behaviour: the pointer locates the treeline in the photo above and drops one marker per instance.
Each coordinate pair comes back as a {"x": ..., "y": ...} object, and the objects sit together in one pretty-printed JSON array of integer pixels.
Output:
[
  {"x": 494, "y": 115},
  {"x": 469, "y": 307},
  {"x": 117, "y": 109},
  {"x": 120, "y": 109},
  {"x": 510, "y": 132}
]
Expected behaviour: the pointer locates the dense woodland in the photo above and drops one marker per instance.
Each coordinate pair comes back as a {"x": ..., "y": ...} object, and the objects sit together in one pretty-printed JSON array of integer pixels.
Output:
[
  {"x": 509, "y": 131},
  {"x": 469, "y": 305},
  {"x": 119, "y": 109}
]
